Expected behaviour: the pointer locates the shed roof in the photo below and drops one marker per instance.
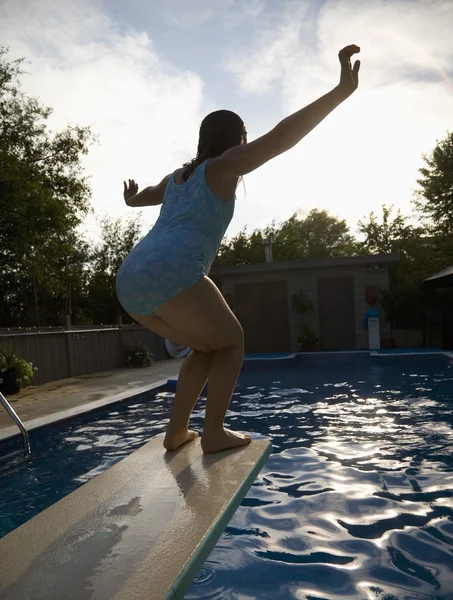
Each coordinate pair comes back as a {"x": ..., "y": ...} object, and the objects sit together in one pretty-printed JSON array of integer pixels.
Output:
[{"x": 366, "y": 260}]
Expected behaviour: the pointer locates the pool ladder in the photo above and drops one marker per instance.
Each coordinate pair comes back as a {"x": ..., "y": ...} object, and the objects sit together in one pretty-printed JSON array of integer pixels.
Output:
[{"x": 15, "y": 417}]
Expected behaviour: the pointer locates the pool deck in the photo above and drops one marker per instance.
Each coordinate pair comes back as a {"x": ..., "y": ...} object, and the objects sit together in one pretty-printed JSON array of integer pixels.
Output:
[{"x": 42, "y": 401}]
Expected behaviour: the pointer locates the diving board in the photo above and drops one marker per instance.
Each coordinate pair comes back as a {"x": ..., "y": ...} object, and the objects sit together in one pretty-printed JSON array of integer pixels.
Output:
[{"x": 140, "y": 530}]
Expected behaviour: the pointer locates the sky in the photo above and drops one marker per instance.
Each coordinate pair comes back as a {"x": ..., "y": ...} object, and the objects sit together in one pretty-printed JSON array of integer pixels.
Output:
[{"x": 143, "y": 74}]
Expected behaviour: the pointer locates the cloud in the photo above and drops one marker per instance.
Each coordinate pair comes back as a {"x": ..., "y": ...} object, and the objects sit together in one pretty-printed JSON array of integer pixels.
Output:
[
  {"x": 303, "y": 45},
  {"x": 218, "y": 12},
  {"x": 188, "y": 14},
  {"x": 279, "y": 44},
  {"x": 93, "y": 72},
  {"x": 97, "y": 70},
  {"x": 369, "y": 150}
]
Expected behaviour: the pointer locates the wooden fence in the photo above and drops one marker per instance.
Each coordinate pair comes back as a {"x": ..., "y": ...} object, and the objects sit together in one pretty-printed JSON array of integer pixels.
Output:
[{"x": 60, "y": 353}]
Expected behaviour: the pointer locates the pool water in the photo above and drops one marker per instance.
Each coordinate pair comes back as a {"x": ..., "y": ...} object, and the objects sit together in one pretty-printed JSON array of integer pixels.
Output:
[{"x": 356, "y": 501}]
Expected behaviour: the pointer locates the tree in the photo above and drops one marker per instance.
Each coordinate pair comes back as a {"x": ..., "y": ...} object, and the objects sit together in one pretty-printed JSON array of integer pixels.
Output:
[
  {"x": 387, "y": 235},
  {"x": 70, "y": 260},
  {"x": 421, "y": 255},
  {"x": 43, "y": 199},
  {"x": 242, "y": 249},
  {"x": 435, "y": 199},
  {"x": 118, "y": 237},
  {"x": 316, "y": 235}
]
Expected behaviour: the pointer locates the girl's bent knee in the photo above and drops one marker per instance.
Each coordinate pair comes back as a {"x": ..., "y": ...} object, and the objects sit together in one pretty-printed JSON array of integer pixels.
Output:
[
  {"x": 207, "y": 353},
  {"x": 238, "y": 335},
  {"x": 240, "y": 339},
  {"x": 233, "y": 338}
]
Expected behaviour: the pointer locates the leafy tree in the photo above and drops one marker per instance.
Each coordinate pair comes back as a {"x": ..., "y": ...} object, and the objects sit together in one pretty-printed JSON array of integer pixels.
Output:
[
  {"x": 421, "y": 255},
  {"x": 434, "y": 201},
  {"x": 388, "y": 234},
  {"x": 315, "y": 235},
  {"x": 43, "y": 198},
  {"x": 68, "y": 297},
  {"x": 118, "y": 237},
  {"x": 242, "y": 249}
]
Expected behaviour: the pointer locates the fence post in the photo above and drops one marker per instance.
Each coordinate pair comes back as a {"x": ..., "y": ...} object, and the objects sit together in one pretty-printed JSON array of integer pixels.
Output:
[{"x": 70, "y": 361}]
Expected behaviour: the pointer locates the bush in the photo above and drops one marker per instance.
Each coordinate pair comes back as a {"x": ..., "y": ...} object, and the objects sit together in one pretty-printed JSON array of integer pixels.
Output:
[
  {"x": 138, "y": 355},
  {"x": 15, "y": 372}
]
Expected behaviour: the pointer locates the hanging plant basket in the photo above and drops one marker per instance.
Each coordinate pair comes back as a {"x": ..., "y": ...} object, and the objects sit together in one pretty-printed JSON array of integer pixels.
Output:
[{"x": 301, "y": 304}]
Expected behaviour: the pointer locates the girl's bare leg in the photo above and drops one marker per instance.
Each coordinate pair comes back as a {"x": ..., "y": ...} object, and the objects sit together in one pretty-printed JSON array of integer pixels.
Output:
[
  {"x": 201, "y": 314},
  {"x": 191, "y": 381}
]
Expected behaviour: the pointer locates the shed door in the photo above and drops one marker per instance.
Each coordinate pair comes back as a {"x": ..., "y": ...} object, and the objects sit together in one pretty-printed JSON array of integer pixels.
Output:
[
  {"x": 262, "y": 310},
  {"x": 336, "y": 313}
]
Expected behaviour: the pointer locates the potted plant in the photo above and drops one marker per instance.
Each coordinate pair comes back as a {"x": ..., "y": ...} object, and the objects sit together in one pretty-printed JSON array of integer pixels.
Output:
[
  {"x": 15, "y": 372},
  {"x": 138, "y": 355},
  {"x": 308, "y": 340},
  {"x": 388, "y": 342}
]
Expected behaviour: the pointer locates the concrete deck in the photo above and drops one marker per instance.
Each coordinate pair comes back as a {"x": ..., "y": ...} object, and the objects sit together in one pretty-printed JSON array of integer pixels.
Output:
[
  {"x": 142, "y": 529},
  {"x": 42, "y": 401}
]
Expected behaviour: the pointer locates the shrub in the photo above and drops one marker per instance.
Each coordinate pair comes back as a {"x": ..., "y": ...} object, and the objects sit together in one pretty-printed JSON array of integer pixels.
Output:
[
  {"x": 138, "y": 355},
  {"x": 15, "y": 372}
]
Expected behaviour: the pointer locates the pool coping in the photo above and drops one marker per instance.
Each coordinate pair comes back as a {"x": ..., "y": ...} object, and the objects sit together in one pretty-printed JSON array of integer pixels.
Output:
[
  {"x": 62, "y": 415},
  {"x": 12, "y": 431}
]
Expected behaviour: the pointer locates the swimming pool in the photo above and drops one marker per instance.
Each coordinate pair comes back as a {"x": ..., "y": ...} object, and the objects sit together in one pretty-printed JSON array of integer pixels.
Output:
[{"x": 356, "y": 501}]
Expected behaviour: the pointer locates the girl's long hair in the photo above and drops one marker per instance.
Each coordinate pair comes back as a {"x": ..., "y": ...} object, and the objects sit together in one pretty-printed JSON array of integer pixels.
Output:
[{"x": 219, "y": 131}]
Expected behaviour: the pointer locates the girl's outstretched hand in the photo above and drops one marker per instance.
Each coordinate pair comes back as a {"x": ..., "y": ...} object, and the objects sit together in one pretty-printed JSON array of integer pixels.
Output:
[
  {"x": 349, "y": 77},
  {"x": 129, "y": 192}
]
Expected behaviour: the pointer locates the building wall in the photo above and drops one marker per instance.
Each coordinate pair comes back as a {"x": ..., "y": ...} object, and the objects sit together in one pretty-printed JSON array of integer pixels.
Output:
[{"x": 306, "y": 280}]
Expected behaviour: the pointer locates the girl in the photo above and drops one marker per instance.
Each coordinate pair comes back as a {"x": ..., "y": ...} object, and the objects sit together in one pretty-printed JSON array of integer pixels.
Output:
[{"x": 163, "y": 283}]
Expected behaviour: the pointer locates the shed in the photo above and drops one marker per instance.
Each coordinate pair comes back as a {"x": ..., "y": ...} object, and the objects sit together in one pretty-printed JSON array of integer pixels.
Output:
[{"x": 339, "y": 291}]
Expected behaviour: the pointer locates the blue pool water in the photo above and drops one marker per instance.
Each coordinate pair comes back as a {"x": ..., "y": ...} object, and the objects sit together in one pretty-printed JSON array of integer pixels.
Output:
[{"x": 356, "y": 501}]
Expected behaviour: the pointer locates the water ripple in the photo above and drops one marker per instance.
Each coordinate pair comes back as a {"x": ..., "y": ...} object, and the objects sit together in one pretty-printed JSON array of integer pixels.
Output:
[
  {"x": 355, "y": 503},
  {"x": 357, "y": 500}
]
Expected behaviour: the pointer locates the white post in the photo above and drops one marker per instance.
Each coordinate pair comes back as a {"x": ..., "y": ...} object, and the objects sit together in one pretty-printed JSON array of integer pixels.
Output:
[{"x": 374, "y": 333}]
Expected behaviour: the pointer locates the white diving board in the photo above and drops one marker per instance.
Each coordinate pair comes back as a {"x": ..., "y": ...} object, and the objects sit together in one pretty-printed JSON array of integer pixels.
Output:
[{"x": 140, "y": 530}]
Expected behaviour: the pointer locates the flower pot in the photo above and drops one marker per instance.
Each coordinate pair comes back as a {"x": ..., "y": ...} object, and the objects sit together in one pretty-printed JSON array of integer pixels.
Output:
[
  {"x": 388, "y": 343},
  {"x": 9, "y": 385}
]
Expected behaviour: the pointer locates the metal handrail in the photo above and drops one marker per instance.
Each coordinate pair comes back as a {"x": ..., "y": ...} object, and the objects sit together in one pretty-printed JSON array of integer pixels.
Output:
[{"x": 15, "y": 417}]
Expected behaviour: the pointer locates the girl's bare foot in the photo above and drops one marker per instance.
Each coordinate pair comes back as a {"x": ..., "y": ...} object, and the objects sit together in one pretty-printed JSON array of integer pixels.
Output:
[
  {"x": 223, "y": 441},
  {"x": 173, "y": 440}
]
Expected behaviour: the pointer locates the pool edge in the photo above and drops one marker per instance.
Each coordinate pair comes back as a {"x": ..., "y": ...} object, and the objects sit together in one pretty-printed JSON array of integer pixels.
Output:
[
  {"x": 34, "y": 424},
  {"x": 63, "y": 415}
]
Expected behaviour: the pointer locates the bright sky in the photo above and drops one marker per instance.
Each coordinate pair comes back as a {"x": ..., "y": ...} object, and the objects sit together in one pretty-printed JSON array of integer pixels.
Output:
[{"x": 144, "y": 73}]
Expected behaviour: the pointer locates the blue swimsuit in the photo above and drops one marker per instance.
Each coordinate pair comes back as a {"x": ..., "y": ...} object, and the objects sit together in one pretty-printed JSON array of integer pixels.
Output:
[{"x": 180, "y": 248}]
